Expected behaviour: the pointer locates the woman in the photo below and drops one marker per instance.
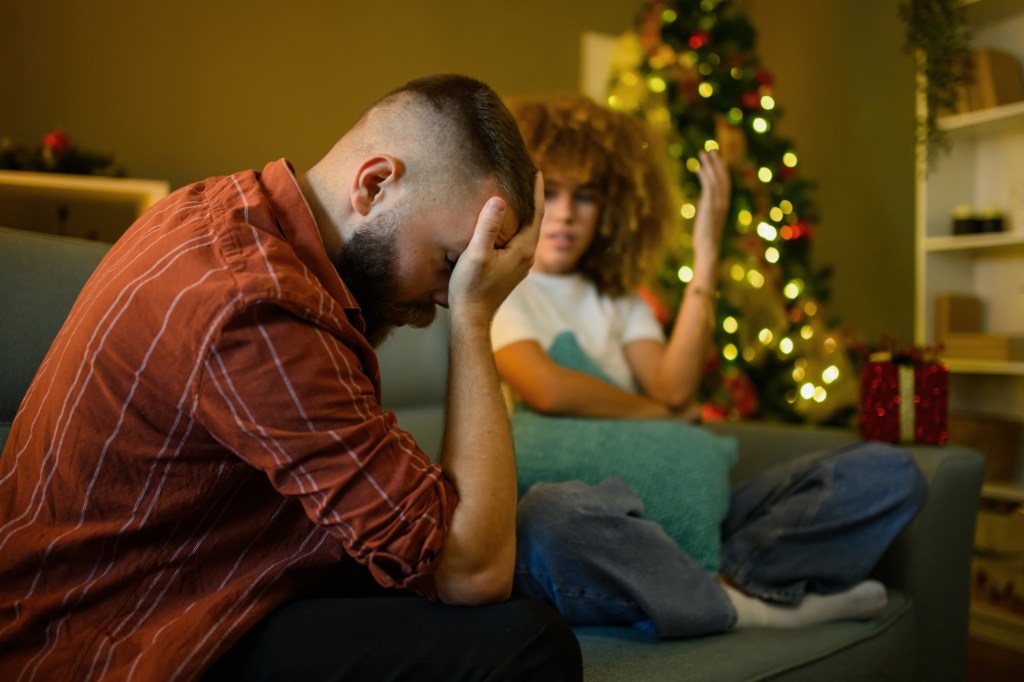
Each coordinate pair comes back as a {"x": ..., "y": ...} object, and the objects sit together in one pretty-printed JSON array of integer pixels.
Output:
[
  {"x": 607, "y": 217},
  {"x": 797, "y": 541}
]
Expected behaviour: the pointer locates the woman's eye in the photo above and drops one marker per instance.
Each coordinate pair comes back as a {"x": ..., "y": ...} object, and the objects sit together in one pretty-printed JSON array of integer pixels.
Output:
[{"x": 586, "y": 197}]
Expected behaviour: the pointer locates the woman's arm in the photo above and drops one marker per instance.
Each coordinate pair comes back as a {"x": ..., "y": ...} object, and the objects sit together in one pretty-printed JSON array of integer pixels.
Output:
[
  {"x": 669, "y": 373},
  {"x": 546, "y": 387}
]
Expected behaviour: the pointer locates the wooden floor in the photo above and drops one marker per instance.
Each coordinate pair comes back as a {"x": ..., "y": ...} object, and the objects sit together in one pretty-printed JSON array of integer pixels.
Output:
[{"x": 991, "y": 663}]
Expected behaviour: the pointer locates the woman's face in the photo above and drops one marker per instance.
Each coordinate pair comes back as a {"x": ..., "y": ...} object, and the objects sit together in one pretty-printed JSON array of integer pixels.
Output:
[{"x": 571, "y": 214}]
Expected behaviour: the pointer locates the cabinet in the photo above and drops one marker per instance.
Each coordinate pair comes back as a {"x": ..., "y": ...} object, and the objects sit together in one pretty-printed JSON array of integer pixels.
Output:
[
  {"x": 86, "y": 206},
  {"x": 997, "y": 569},
  {"x": 985, "y": 168}
]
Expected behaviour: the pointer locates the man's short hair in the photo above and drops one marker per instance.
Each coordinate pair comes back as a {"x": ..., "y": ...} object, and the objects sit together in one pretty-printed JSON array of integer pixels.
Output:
[{"x": 482, "y": 138}]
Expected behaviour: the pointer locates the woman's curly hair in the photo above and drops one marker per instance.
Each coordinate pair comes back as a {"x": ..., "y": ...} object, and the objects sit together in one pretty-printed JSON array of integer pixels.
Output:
[{"x": 614, "y": 151}]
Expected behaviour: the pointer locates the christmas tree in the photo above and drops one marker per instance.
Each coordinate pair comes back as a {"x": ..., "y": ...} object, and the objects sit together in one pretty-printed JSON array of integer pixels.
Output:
[{"x": 690, "y": 70}]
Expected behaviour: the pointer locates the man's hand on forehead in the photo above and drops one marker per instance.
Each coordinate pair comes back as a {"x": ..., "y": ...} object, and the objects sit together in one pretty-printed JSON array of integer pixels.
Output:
[
  {"x": 508, "y": 230},
  {"x": 512, "y": 226},
  {"x": 496, "y": 259}
]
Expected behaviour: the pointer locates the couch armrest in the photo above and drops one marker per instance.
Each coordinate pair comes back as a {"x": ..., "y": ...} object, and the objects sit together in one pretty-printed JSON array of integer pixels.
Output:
[{"x": 930, "y": 559}]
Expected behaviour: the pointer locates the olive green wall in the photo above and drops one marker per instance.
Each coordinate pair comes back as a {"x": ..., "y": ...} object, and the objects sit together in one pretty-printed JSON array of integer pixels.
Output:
[
  {"x": 185, "y": 89},
  {"x": 847, "y": 91}
]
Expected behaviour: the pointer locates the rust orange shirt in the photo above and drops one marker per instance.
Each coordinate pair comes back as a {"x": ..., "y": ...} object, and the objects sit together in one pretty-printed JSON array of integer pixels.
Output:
[{"x": 203, "y": 438}]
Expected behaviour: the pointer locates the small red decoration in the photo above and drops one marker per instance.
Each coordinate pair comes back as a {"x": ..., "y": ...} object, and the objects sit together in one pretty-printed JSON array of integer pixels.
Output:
[
  {"x": 741, "y": 392},
  {"x": 750, "y": 100},
  {"x": 699, "y": 40},
  {"x": 798, "y": 230},
  {"x": 763, "y": 77},
  {"x": 56, "y": 141},
  {"x": 904, "y": 396},
  {"x": 710, "y": 412}
]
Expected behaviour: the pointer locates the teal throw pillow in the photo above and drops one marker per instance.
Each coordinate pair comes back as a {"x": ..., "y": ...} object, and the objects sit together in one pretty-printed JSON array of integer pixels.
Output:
[{"x": 679, "y": 471}]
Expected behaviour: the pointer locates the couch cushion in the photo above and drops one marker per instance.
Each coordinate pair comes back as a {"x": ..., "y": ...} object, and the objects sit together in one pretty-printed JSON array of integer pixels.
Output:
[{"x": 879, "y": 649}]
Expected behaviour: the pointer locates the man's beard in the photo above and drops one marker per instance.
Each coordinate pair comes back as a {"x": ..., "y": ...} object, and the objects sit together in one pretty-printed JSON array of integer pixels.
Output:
[{"x": 367, "y": 265}]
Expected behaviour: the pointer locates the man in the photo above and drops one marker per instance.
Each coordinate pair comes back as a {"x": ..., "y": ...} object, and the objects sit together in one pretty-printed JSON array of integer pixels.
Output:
[{"x": 202, "y": 465}]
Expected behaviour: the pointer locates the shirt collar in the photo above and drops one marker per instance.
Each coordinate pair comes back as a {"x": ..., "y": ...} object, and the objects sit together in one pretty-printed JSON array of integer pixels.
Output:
[{"x": 299, "y": 228}]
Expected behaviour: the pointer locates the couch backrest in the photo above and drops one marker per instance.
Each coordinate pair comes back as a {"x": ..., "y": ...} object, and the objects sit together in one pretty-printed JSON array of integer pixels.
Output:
[
  {"x": 40, "y": 277},
  {"x": 414, "y": 377},
  {"x": 42, "y": 274},
  {"x": 414, "y": 364}
]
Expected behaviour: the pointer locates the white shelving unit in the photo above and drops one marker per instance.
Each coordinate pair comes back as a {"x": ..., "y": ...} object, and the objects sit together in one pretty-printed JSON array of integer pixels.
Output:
[{"x": 985, "y": 168}]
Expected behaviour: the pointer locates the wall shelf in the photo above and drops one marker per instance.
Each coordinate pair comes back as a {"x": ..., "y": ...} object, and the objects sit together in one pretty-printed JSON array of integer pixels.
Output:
[
  {"x": 993, "y": 116},
  {"x": 975, "y": 242},
  {"x": 995, "y": 368}
]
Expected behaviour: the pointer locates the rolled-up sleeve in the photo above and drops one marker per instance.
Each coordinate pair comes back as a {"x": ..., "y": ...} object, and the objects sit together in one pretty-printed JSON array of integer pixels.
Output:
[{"x": 293, "y": 399}]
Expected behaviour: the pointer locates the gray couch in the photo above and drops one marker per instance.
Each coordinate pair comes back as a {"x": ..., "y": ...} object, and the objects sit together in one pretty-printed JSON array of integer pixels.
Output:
[{"x": 922, "y": 635}]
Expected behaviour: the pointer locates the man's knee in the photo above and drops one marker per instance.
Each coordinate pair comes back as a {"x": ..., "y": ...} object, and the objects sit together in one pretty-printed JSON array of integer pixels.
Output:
[{"x": 546, "y": 648}]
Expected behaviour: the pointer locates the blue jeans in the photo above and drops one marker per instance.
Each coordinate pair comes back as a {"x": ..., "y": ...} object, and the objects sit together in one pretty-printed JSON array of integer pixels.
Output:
[{"x": 815, "y": 524}]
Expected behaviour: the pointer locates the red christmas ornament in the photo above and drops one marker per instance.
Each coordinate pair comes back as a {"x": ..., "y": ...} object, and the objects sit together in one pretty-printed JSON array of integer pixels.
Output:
[
  {"x": 699, "y": 40},
  {"x": 763, "y": 77},
  {"x": 713, "y": 362},
  {"x": 741, "y": 392},
  {"x": 798, "y": 230},
  {"x": 710, "y": 412},
  {"x": 750, "y": 100},
  {"x": 785, "y": 173},
  {"x": 56, "y": 141}
]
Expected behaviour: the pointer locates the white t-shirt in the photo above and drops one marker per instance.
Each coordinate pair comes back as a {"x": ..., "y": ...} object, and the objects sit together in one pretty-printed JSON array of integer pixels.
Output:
[{"x": 544, "y": 306}]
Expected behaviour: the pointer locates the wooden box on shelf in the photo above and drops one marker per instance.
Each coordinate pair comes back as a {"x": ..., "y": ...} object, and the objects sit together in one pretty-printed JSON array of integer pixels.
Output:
[
  {"x": 959, "y": 330},
  {"x": 980, "y": 346},
  {"x": 998, "y": 80}
]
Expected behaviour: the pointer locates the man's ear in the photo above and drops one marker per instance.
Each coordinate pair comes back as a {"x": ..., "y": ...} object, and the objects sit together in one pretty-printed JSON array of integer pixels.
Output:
[{"x": 374, "y": 175}]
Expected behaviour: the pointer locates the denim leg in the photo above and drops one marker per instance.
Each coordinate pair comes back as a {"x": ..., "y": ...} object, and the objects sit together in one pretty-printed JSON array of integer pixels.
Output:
[
  {"x": 587, "y": 550},
  {"x": 819, "y": 523}
]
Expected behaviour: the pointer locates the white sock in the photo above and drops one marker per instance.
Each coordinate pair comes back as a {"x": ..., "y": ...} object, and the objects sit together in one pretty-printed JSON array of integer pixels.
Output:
[{"x": 863, "y": 600}]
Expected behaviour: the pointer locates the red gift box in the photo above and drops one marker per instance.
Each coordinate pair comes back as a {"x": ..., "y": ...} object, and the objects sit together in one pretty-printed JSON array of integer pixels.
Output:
[{"x": 904, "y": 402}]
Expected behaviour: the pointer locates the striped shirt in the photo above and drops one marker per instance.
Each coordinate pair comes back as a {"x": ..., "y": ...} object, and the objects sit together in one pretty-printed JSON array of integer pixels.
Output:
[{"x": 203, "y": 439}]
